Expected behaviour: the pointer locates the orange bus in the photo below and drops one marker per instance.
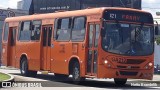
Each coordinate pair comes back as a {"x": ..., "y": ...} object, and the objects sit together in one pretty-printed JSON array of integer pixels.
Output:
[{"x": 91, "y": 43}]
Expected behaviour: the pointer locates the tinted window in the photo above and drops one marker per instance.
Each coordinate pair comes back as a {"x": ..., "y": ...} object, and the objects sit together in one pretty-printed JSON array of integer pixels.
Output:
[
  {"x": 36, "y": 30},
  {"x": 44, "y": 36},
  {"x": 13, "y": 36},
  {"x": 63, "y": 29},
  {"x": 97, "y": 35},
  {"x": 78, "y": 31},
  {"x": 90, "y": 35},
  {"x": 25, "y": 32},
  {"x": 6, "y": 30},
  {"x": 49, "y": 35},
  {"x": 55, "y": 28}
]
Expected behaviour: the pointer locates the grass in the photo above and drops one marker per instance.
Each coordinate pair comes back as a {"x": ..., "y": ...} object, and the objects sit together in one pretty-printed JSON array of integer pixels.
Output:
[{"x": 4, "y": 77}]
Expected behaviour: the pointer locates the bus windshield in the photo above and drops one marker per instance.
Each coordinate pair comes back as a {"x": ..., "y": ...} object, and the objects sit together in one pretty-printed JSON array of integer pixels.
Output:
[{"x": 128, "y": 39}]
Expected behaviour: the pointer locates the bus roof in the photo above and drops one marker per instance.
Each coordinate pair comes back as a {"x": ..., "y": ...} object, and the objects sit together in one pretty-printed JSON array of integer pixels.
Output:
[{"x": 67, "y": 14}]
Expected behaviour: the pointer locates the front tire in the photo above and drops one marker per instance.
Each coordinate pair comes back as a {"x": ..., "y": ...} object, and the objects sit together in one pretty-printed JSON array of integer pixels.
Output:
[
  {"x": 120, "y": 81},
  {"x": 24, "y": 69},
  {"x": 76, "y": 73}
]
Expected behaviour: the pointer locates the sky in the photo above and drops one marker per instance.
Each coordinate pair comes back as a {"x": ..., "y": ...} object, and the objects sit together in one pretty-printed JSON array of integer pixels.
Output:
[
  {"x": 8, "y": 3},
  {"x": 152, "y": 6}
]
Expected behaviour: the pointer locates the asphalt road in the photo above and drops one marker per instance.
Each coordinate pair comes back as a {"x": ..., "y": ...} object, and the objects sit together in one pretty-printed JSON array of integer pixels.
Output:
[{"x": 50, "y": 81}]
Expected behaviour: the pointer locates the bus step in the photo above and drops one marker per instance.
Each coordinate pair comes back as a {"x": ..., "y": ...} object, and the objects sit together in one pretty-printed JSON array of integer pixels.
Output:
[
  {"x": 44, "y": 72},
  {"x": 89, "y": 76}
]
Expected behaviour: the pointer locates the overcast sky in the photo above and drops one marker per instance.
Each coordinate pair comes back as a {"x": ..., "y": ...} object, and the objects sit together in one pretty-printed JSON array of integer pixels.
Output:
[
  {"x": 8, "y": 3},
  {"x": 152, "y": 6},
  {"x": 148, "y": 5}
]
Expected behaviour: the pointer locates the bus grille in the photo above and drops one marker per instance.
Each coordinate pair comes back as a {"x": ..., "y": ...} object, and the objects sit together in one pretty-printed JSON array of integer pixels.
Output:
[
  {"x": 125, "y": 67},
  {"x": 126, "y": 73},
  {"x": 135, "y": 61}
]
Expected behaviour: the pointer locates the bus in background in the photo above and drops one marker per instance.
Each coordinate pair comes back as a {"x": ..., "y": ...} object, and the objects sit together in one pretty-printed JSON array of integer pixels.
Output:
[
  {"x": 91, "y": 43},
  {"x": 157, "y": 46}
]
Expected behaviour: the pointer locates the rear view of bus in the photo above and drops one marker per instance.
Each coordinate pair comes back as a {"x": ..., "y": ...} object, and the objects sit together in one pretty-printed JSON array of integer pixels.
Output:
[{"x": 127, "y": 45}]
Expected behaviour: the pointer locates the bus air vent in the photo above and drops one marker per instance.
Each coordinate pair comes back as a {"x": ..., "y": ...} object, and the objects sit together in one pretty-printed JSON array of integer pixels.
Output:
[
  {"x": 125, "y": 67},
  {"x": 126, "y": 73},
  {"x": 135, "y": 61}
]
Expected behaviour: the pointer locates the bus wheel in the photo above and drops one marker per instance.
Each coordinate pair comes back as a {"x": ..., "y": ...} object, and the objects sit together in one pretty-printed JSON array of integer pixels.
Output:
[
  {"x": 76, "y": 73},
  {"x": 120, "y": 81},
  {"x": 24, "y": 67}
]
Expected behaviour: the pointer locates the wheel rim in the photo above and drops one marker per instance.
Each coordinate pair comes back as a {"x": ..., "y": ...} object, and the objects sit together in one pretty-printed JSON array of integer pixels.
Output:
[
  {"x": 23, "y": 67},
  {"x": 76, "y": 73}
]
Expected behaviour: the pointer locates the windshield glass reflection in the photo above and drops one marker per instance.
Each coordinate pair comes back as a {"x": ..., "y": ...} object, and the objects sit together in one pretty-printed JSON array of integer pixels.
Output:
[{"x": 128, "y": 39}]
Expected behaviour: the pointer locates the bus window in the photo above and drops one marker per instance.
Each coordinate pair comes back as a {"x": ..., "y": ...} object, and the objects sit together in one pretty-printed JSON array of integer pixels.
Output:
[
  {"x": 91, "y": 27},
  {"x": 13, "y": 36},
  {"x": 97, "y": 35},
  {"x": 6, "y": 30},
  {"x": 25, "y": 32},
  {"x": 36, "y": 30},
  {"x": 78, "y": 31},
  {"x": 63, "y": 29},
  {"x": 55, "y": 28}
]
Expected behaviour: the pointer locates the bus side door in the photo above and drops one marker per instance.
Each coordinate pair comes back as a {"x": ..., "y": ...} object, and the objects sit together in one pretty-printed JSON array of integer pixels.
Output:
[
  {"x": 46, "y": 47},
  {"x": 12, "y": 46},
  {"x": 93, "y": 48},
  {"x": 5, "y": 55},
  {"x": 8, "y": 51}
]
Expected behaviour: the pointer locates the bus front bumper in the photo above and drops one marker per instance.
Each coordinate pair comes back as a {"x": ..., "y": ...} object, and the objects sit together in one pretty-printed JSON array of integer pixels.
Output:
[{"x": 104, "y": 72}]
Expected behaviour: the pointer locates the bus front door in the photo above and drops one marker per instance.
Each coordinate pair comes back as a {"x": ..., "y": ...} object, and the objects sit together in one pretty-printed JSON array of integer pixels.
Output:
[
  {"x": 92, "y": 48},
  {"x": 46, "y": 49},
  {"x": 11, "y": 46}
]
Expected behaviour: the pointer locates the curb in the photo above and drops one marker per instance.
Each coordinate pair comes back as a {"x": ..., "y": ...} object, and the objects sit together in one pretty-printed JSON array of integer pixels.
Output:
[
  {"x": 8, "y": 68},
  {"x": 11, "y": 80}
]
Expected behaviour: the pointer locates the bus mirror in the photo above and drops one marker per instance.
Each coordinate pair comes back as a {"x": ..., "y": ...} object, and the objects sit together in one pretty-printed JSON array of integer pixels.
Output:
[{"x": 156, "y": 30}]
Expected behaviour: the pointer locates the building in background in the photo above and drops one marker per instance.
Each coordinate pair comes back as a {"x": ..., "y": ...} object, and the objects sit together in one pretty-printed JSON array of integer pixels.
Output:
[
  {"x": 19, "y": 4},
  {"x": 49, "y": 6},
  {"x": 24, "y": 4}
]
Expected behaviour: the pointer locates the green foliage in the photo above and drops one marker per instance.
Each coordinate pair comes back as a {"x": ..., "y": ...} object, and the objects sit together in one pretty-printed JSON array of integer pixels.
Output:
[{"x": 158, "y": 40}]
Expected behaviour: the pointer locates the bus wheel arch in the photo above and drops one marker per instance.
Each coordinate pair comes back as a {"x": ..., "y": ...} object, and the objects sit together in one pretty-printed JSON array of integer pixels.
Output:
[
  {"x": 71, "y": 63},
  {"x": 24, "y": 67},
  {"x": 75, "y": 70},
  {"x": 21, "y": 58}
]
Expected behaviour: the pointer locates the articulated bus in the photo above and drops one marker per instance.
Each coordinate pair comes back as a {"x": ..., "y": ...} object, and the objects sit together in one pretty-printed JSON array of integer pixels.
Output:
[{"x": 91, "y": 43}]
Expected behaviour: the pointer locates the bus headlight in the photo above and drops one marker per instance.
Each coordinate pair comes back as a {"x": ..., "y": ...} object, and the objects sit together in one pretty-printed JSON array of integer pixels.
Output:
[
  {"x": 149, "y": 65},
  {"x": 105, "y": 61},
  {"x": 107, "y": 64}
]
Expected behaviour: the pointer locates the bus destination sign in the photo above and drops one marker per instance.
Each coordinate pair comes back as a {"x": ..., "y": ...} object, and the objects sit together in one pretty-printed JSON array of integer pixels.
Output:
[{"x": 130, "y": 16}]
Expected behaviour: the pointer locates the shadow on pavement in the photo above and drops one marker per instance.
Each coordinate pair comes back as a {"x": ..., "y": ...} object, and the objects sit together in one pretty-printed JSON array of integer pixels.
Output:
[{"x": 53, "y": 81}]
